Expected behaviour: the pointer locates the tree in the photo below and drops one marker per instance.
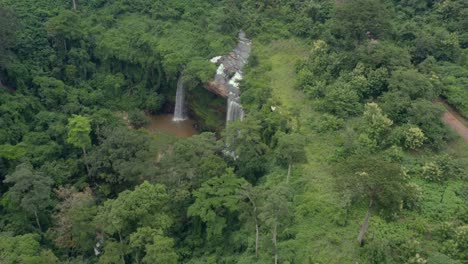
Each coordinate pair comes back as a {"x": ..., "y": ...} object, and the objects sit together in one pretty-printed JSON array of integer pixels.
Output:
[
  {"x": 65, "y": 28},
  {"x": 341, "y": 100},
  {"x": 414, "y": 138},
  {"x": 374, "y": 179},
  {"x": 376, "y": 124},
  {"x": 8, "y": 25},
  {"x": 276, "y": 211},
  {"x": 290, "y": 150},
  {"x": 160, "y": 251},
  {"x": 360, "y": 19},
  {"x": 138, "y": 119},
  {"x": 31, "y": 190},
  {"x": 427, "y": 116},
  {"x": 244, "y": 142},
  {"x": 412, "y": 83},
  {"x": 192, "y": 161},
  {"x": 24, "y": 249},
  {"x": 123, "y": 218},
  {"x": 158, "y": 248},
  {"x": 79, "y": 128},
  {"x": 215, "y": 200},
  {"x": 249, "y": 195},
  {"x": 441, "y": 169},
  {"x": 74, "y": 229},
  {"x": 123, "y": 156}
]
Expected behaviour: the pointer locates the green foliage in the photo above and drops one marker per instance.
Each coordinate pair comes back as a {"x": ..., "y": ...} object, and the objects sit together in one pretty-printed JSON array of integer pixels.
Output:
[
  {"x": 130, "y": 216},
  {"x": 215, "y": 201},
  {"x": 30, "y": 190},
  {"x": 138, "y": 119},
  {"x": 160, "y": 251},
  {"x": 8, "y": 25},
  {"x": 441, "y": 168},
  {"x": 244, "y": 139},
  {"x": 290, "y": 149},
  {"x": 79, "y": 130},
  {"x": 427, "y": 117},
  {"x": 374, "y": 179},
  {"x": 412, "y": 83},
  {"x": 360, "y": 19},
  {"x": 120, "y": 158},
  {"x": 193, "y": 161},
  {"x": 371, "y": 68},
  {"x": 74, "y": 228},
  {"x": 328, "y": 123},
  {"x": 24, "y": 249}
]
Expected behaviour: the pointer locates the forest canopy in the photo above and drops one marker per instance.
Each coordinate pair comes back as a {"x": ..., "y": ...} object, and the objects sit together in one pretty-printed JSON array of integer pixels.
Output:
[{"x": 344, "y": 155}]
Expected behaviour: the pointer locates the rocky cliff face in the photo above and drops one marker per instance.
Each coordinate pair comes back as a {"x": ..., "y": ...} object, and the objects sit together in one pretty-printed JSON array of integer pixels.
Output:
[{"x": 229, "y": 72}]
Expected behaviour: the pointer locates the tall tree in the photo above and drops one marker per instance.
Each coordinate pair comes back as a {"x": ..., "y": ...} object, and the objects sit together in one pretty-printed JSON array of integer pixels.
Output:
[
  {"x": 8, "y": 25},
  {"x": 214, "y": 200},
  {"x": 276, "y": 211},
  {"x": 290, "y": 150},
  {"x": 74, "y": 229},
  {"x": 249, "y": 196},
  {"x": 244, "y": 141},
  {"x": 374, "y": 179},
  {"x": 31, "y": 190},
  {"x": 123, "y": 158},
  {"x": 79, "y": 128},
  {"x": 123, "y": 218}
]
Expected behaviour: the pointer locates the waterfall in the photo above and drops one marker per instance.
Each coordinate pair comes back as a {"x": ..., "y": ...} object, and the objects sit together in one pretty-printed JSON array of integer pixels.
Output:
[
  {"x": 234, "y": 111},
  {"x": 179, "y": 110}
]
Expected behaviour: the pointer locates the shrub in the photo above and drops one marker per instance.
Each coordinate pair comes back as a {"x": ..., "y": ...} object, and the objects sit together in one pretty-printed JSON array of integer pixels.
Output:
[{"x": 138, "y": 119}]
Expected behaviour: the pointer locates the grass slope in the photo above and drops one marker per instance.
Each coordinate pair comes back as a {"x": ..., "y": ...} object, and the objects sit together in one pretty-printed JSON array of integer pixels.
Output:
[{"x": 324, "y": 231}]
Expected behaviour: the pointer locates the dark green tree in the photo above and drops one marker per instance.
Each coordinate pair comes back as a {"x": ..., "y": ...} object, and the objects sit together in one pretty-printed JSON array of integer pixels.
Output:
[
  {"x": 8, "y": 26},
  {"x": 216, "y": 201},
  {"x": 31, "y": 190},
  {"x": 290, "y": 150},
  {"x": 361, "y": 19},
  {"x": 123, "y": 218}
]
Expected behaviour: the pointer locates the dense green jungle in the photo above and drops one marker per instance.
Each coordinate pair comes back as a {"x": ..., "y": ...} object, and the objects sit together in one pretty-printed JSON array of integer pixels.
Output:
[{"x": 347, "y": 143}]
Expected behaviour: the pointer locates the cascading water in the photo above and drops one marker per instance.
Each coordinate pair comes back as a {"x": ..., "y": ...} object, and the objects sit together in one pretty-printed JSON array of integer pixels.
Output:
[
  {"x": 234, "y": 111},
  {"x": 179, "y": 110},
  {"x": 229, "y": 74},
  {"x": 226, "y": 83}
]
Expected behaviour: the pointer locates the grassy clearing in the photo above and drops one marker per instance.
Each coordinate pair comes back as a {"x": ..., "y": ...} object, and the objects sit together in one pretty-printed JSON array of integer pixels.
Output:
[{"x": 319, "y": 235}]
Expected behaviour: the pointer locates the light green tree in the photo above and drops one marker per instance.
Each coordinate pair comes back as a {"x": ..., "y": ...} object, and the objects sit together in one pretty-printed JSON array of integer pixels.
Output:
[
  {"x": 24, "y": 249},
  {"x": 414, "y": 138},
  {"x": 79, "y": 128}
]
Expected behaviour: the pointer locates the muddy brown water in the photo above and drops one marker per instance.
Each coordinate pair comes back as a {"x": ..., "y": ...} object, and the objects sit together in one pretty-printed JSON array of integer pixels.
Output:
[{"x": 164, "y": 123}]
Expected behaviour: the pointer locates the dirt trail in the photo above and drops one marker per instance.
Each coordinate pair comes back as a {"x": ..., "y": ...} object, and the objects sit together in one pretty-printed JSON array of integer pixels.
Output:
[
  {"x": 454, "y": 123},
  {"x": 454, "y": 120}
]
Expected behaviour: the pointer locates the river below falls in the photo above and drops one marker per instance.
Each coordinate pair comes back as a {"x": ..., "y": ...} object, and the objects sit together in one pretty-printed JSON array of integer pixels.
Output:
[{"x": 164, "y": 123}]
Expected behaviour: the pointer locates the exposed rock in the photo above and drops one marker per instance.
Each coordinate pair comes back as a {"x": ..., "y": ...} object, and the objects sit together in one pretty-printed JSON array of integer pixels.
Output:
[{"x": 229, "y": 72}]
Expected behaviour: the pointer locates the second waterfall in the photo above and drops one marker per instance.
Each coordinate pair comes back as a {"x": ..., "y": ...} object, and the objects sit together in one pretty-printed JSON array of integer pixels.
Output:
[{"x": 179, "y": 110}]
